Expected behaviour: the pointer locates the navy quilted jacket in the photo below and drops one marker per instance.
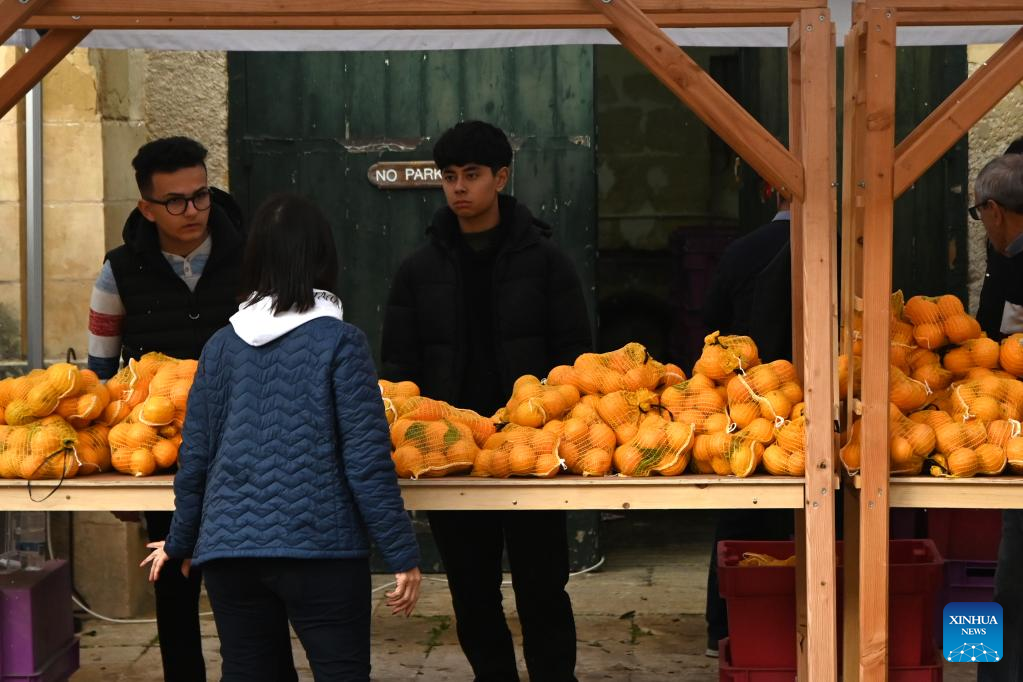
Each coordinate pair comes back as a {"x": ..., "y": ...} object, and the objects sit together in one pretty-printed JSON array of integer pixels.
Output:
[{"x": 287, "y": 453}]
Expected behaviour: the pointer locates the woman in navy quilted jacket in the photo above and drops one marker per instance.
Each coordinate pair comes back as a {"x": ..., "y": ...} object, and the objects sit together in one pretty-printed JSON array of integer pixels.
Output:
[{"x": 285, "y": 472}]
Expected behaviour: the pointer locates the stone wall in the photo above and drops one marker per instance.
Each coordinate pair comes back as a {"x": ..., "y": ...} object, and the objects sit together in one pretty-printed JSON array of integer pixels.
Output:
[{"x": 988, "y": 138}]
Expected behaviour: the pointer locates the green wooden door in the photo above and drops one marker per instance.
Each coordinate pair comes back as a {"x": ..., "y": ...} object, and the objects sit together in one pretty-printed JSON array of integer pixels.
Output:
[{"x": 315, "y": 122}]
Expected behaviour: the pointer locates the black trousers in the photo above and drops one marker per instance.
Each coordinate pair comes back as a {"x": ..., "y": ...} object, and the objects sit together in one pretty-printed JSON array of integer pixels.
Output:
[
  {"x": 739, "y": 524},
  {"x": 1009, "y": 594},
  {"x": 327, "y": 601},
  {"x": 471, "y": 545},
  {"x": 177, "y": 617}
]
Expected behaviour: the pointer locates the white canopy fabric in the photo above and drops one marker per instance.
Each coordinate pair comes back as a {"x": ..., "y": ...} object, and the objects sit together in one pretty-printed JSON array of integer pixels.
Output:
[{"x": 418, "y": 40}]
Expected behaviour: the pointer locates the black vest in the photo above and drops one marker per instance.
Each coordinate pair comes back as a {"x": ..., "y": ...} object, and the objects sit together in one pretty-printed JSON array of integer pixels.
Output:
[
  {"x": 1003, "y": 282},
  {"x": 161, "y": 313}
]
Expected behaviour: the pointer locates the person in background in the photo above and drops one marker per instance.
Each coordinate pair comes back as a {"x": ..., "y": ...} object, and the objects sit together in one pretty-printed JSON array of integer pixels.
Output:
[
  {"x": 285, "y": 471},
  {"x": 488, "y": 299},
  {"x": 751, "y": 295},
  {"x": 168, "y": 288},
  {"x": 998, "y": 204}
]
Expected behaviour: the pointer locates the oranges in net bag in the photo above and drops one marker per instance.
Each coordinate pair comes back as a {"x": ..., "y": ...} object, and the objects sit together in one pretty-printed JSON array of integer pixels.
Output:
[
  {"x": 697, "y": 402},
  {"x": 141, "y": 449},
  {"x": 722, "y": 356},
  {"x": 40, "y": 392},
  {"x": 394, "y": 395},
  {"x": 427, "y": 409},
  {"x": 93, "y": 450},
  {"x": 767, "y": 391},
  {"x": 629, "y": 368},
  {"x": 44, "y": 449},
  {"x": 429, "y": 449},
  {"x": 586, "y": 443},
  {"x": 519, "y": 451},
  {"x": 787, "y": 455},
  {"x": 534, "y": 403},
  {"x": 659, "y": 446},
  {"x": 939, "y": 320}
]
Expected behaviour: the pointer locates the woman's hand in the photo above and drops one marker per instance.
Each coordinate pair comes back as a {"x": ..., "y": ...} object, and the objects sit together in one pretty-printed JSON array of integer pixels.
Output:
[
  {"x": 158, "y": 558},
  {"x": 406, "y": 593}
]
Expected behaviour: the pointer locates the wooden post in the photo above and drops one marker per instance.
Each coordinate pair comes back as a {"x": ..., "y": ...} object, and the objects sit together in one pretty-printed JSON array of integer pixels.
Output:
[
  {"x": 35, "y": 64},
  {"x": 878, "y": 158},
  {"x": 14, "y": 13},
  {"x": 708, "y": 100},
  {"x": 957, "y": 114},
  {"x": 812, "y": 54},
  {"x": 853, "y": 127}
]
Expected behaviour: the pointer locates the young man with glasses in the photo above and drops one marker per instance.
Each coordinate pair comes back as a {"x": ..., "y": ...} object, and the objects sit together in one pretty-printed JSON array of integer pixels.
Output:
[
  {"x": 168, "y": 288},
  {"x": 998, "y": 192}
]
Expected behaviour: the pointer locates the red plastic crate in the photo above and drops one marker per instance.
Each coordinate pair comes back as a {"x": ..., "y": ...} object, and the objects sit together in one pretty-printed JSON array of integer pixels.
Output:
[
  {"x": 762, "y": 606},
  {"x": 729, "y": 673},
  {"x": 965, "y": 534}
]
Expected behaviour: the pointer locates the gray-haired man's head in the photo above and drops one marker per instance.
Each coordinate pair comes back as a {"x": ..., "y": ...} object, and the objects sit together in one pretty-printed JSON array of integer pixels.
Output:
[{"x": 998, "y": 199}]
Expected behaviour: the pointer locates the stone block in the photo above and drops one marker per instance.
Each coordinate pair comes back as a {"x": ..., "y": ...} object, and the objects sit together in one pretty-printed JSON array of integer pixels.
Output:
[
  {"x": 122, "y": 83},
  {"x": 115, "y": 213},
  {"x": 70, "y": 90},
  {"x": 107, "y": 554},
  {"x": 12, "y": 161},
  {"x": 73, "y": 161},
  {"x": 10, "y": 241},
  {"x": 73, "y": 240},
  {"x": 121, "y": 141},
  {"x": 66, "y": 316}
]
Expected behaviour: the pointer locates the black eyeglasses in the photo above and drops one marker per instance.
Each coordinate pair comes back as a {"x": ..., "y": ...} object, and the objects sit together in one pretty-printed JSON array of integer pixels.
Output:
[
  {"x": 974, "y": 210},
  {"x": 178, "y": 205}
]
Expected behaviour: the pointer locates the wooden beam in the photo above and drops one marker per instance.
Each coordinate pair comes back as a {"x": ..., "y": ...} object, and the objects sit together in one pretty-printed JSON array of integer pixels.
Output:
[
  {"x": 35, "y": 64},
  {"x": 13, "y": 14},
  {"x": 813, "y": 133},
  {"x": 397, "y": 22},
  {"x": 878, "y": 159},
  {"x": 958, "y": 113},
  {"x": 708, "y": 100},
  {"x": 961, "y": 17},
  {"x": 408, "y": 8},
  {"x": 944, "y": 5}
]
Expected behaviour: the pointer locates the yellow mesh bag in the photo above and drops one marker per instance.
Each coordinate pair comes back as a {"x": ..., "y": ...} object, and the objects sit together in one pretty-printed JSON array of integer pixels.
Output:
[
  {"x": 697, "y": 402},
  {"x": 659, "y": 447},
  {"x": 43, "y": 449},
  {"x": 629, "y": 368},
  {"x": 534, "y": 403},
  {"x": 93, "y": 450},
  {"x": 1010, "y": 355},
  {"x": 722, "y": 356},
  {"x": 586, "y": 443},
  {"x": 394, "y": 395},
  {"x": 418, "y": 408},
  {"x": 623, "y": 411},
  {"x": 767, "y": 391},
  {"x": 519, "y": 451},
  {"x": 429, "y": 449},
  {"x": 787, "y": 455},
  {"x": 139, "y": 449},
  {"x": 981, "y": 353},
  {"x": 939, "y": 320}
]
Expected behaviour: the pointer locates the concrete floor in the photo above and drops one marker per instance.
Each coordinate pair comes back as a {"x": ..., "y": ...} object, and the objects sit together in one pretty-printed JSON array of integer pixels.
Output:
[{"x": 639, "y": 619}]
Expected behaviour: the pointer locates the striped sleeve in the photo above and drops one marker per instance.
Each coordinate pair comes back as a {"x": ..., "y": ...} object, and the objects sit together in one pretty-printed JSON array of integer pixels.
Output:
[{"x": 106, "y": 317}]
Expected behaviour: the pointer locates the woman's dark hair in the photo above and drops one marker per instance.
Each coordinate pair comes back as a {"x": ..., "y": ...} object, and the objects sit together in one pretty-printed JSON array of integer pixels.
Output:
[
  {"x": 473, "y": 142},
  {"x": 290, "y": 251}
]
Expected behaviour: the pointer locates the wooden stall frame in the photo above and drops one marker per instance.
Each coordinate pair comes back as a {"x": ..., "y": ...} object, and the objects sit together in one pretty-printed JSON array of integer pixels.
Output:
[
  {"x": 805, "y": 172},
  {"x": 875, "y": 173}
]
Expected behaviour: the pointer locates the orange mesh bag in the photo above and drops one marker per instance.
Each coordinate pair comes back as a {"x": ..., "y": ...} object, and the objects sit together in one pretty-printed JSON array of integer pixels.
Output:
[
  {"x": 586, "y": 443},
  {"x": 38, "y": 394},
  {"x": 658, "y": 447},
  {"x": 722, "y": 356},
  {"x": 987, "y": 398},
  {"x": 519, "y": 451},
  {"x": 419, "y": 408},
  {"x": 93, "y": 450},
  {"x": 623, "y": 411},
  {"x": 732, "y": 454},
  {"x": 710, "y": 453},
  {"x": 673, "y": 375},
  {"x": 768, "y": 391},
  {"x": 394, "y": 394},
  {"x": 907, "y": 394},
  {"x": 81, "y": 410},
  {"x": 910, "y": 442},
  {"x": 982, "y": 352},
  {"x": 139, "y": 449},
  {"x": 938, "y": 320},
  {"x": 44, "y": 449},
  {"x": 696, "y": 402},
  {"x": 429, "y": 449},
  {"x": 629, "y": 368},
  {"x": 534, "y": 403},
  {"x": 167, "y": 398},
  {"x": 1010, "y": 356},
  {"x": 986, "y": 459},
  {"x": 925, "y": 366},
  {"x": 787, "y": 455},
  {"x": 901, "y": 332}
]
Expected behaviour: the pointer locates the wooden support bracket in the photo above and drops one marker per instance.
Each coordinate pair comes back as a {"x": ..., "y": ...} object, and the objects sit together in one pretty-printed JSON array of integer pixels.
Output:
[
  {"x": 958, "y": 113},
  {"x": 13, "y": 14},
  {"x": 708, "y": 100},
  {"x": 35, "y": 64}
]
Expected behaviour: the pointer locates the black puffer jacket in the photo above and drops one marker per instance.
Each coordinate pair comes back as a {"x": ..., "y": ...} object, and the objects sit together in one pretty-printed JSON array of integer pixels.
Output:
[
  {"x": 161, "y": 313},
  {"x": 538, "y": 311},
  {"x": 1001, "y": 297}
]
